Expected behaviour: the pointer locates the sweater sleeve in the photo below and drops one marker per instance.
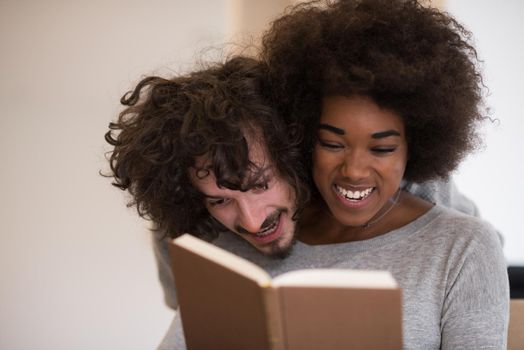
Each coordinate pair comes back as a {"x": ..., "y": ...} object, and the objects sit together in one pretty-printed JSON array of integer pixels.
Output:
[
  {"x": 444, "y": 192},
  {"x": 476, "y": 307},
  {"x": 163, "y": 263},
  {"x": 174, "y": 338}
]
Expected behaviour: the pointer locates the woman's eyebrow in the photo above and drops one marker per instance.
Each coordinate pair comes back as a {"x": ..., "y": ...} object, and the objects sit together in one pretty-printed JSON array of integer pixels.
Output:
[
  {"x": 376, "y": 135},
  {"x": 332, "y": 129},
  {"x": 387, "y": 133}
]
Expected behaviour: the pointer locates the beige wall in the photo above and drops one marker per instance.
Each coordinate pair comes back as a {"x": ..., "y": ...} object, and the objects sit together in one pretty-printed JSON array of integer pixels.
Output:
[
  {"x": 76, "y": 267},
  {"x": 441, "y": 4},
  {"x": 247, "y": 19},
  {"x": 252, "y": 17}
]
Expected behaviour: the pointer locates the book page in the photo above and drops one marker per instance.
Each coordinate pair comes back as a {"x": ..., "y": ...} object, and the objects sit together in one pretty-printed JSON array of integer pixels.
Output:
[
  {"x": 333, "y": 278},
  {"x": 222, "y": 303},
  {"x": 224, "y": 258}
]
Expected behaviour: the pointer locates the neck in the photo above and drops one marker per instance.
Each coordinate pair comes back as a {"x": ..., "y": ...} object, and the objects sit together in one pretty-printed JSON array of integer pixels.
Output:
[
  {"x": 401, "y": 209},
  {"x": 384, "y": 211}
]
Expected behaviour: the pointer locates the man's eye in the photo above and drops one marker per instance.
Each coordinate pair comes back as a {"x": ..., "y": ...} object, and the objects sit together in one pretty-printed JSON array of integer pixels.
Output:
[
  {"x": 330, "y": 145},
  {"x": 260, "y": 187},
  {"x": 217, "y": 202}
]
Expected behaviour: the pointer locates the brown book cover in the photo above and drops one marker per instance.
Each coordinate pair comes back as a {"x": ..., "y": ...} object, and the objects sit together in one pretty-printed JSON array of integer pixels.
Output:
[{"x": 227, "y": 302}]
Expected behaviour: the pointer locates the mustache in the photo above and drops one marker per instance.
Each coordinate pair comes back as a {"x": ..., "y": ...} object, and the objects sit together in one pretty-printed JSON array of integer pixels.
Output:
[{"x": 268, "y": 222}]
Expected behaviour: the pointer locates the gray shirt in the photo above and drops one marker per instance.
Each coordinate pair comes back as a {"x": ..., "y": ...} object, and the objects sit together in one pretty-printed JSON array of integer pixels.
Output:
[{"x": 450, "y": 267}]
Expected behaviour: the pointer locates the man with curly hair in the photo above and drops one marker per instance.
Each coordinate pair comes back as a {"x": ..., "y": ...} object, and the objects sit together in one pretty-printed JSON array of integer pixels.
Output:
[{"x": 206, "y": 153}]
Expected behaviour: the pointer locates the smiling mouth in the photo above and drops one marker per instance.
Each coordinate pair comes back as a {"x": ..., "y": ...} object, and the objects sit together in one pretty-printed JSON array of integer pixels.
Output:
[
  {"x": 354, "y": 195},
  {"x": 269, "y": 229}
]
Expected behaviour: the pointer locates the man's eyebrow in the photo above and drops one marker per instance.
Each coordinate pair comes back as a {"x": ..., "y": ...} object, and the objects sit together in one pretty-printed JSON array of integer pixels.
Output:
[
  {"x": 331, "y": 128},
  {"x": 387, "y": 133},
  {"x": 207, "y": 196}
]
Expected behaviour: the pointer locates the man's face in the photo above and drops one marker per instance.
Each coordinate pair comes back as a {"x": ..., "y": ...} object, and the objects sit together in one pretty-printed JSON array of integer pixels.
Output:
[{"x": 261, "y": 215}]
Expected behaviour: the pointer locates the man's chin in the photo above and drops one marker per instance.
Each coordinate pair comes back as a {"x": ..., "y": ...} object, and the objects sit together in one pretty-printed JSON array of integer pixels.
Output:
[{"x": 278, "y": 249}]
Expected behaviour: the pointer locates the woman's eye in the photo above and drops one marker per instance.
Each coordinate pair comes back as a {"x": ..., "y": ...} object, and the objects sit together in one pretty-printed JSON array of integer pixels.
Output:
[
  {"x": 384, "y": 150},
  {"x": 217, "y": 202},
  {"x": 330, "y": 145}
]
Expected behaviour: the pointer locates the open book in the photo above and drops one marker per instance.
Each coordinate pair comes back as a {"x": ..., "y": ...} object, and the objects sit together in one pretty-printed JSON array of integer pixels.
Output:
[{"x": 227, "y": 302}]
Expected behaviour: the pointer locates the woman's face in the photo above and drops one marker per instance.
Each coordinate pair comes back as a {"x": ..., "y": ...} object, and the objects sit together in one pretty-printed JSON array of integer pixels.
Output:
[{"x": 359, "y": 158}]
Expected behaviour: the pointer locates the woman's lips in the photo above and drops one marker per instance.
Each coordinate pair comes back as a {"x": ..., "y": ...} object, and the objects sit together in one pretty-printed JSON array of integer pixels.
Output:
[{"x": 363, "y": 196}]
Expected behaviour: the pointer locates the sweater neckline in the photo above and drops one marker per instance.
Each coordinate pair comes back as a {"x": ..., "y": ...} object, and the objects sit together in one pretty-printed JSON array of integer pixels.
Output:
[{"x": 387, "y": 238}]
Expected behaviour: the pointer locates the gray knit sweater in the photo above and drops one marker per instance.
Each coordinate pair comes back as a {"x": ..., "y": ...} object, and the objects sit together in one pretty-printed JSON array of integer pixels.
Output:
[{"x": 450, "y": 267}]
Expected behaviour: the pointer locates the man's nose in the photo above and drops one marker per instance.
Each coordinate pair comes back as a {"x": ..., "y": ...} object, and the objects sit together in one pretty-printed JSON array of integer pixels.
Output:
[{"x": 251, "y": 216}]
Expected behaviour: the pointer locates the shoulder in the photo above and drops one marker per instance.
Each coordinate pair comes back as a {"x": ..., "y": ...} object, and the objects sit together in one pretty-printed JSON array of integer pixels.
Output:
[
  {"x": 234, "y": 244},
  {"x": 465, "y": 233},
  {"x": 458, "y": 222},
  {"x": 471, "y": 254}
]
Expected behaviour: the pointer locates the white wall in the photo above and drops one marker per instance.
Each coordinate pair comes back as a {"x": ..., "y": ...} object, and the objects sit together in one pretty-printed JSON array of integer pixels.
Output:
[
  {"x": 494, "y": 176},
  {"x": 76, "y": 267}
]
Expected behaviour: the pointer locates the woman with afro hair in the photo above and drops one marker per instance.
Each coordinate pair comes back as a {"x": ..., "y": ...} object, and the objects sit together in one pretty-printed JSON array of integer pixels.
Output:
[{"x": 385, "y": 93}]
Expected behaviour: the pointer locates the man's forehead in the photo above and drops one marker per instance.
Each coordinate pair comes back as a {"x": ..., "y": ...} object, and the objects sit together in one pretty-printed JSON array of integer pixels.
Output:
[
  {"x": 257, "y": 154},
  {"x": 203, "y": 168}
]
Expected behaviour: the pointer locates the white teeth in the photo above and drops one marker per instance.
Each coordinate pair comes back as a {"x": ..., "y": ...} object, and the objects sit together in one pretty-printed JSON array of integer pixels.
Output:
[
  {"x": 267, "y": 230},
  {"x": 357, "y": 195}
]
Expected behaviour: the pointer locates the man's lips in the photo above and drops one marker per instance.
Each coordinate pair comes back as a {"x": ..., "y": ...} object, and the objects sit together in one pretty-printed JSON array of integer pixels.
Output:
[{"x": 270, "y": 233}]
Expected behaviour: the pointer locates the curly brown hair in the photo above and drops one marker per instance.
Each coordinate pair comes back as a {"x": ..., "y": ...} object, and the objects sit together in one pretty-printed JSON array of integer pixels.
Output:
[
  {"x": 167, "y": 123},
  {"x": 412, "y": 59}
]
